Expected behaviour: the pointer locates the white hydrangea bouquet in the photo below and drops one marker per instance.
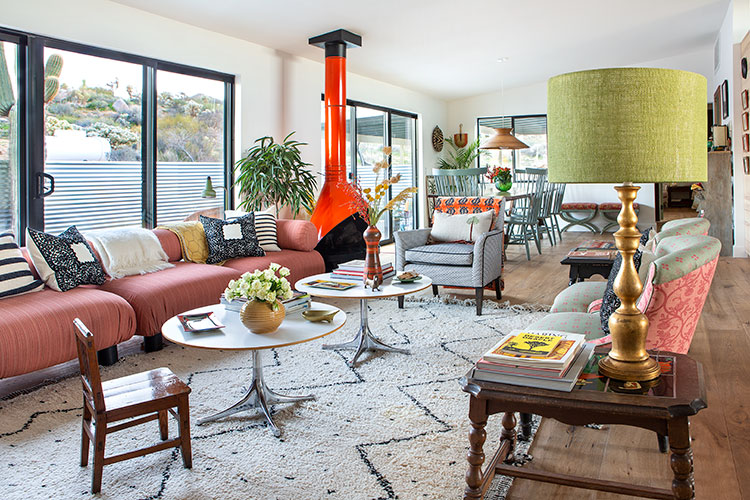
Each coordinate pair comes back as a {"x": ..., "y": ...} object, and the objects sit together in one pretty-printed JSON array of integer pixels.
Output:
[{"x": 264, "y": 286}]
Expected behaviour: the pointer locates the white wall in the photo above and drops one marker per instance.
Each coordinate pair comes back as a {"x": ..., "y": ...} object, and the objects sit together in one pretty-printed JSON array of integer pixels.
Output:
[
  {"x": 276, "y": 93},
  {"x": 532, "y": 99}
]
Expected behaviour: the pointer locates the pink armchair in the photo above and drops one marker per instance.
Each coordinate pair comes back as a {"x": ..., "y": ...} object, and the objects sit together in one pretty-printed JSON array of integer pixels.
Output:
[{"x": 674, "y": 292}]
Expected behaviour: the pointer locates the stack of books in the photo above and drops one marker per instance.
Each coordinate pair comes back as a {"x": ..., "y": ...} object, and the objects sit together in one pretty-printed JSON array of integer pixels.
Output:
[
  {"x": 356, "y": 268},
  {"x": 299, "y": 302},
  {"x": 594, "y": 249},
  {"x": 536, "y": 358}
]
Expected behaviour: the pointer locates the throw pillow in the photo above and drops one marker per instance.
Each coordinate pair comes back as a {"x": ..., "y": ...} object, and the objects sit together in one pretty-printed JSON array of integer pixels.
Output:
[
  {"x": 65, "y": 261},
  {"x": 460, "y": 227},
  {"x": 230, "y": 239},
  {"x": 610, "y": 300},
  {"x": 16, "y": 277},
  {"x": 265, "y": 228}
]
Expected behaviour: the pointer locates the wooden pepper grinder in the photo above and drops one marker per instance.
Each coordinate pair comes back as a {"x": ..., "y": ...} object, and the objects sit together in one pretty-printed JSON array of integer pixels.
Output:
[{"x": 460, "y": 139}]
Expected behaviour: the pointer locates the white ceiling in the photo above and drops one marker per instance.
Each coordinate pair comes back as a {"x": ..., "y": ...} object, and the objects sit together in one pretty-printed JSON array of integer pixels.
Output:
[{"x": 449, "y": 48}]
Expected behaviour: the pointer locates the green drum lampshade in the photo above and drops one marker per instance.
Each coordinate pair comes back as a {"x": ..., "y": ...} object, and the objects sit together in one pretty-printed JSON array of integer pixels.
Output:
[{"x": 627, "y": 125}]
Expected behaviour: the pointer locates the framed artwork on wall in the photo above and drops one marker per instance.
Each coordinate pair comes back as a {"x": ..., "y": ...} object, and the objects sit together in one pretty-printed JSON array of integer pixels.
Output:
[
  {"x": 717, "y": 106},
  {"x": 743, "y": 94},
  {"x": 746, "y": 143},
  {"x": 725, "y": 99},
  {"x": 745, "y": 121},
  {"x": 746, "y": 165}
]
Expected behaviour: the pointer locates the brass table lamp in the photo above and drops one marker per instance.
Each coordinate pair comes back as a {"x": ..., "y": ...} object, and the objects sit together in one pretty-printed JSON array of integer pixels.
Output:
[{"x": 626, "y": 125}]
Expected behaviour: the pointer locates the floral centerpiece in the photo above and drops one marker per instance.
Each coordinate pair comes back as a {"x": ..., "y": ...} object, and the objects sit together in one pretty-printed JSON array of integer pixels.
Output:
[
  {"x": 371, "y": 204},
  {"x": 263, "y": 290},
  {"x": 501, "y": 177}
]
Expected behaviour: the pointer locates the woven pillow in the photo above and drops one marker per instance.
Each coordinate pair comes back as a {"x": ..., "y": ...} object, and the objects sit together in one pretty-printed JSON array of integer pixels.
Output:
[
  {"x": 460, "y": 227},
  {"x": 231, "y": 239},
  {"x": 265, "y": 228},
  {"x": 16, "y": 277},
  {"x": 610, "y": 300},
  {"x": 64, "y": 261}
]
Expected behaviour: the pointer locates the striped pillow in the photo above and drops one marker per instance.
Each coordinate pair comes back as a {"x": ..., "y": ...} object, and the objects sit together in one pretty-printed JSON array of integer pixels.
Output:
[
  {"x": 15, "y": 274},
  {"x": 265, "y": 228}
]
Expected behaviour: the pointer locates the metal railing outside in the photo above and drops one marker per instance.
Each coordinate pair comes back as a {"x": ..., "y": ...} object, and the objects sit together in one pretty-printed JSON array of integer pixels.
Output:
[{"x": 98, "y": 195}]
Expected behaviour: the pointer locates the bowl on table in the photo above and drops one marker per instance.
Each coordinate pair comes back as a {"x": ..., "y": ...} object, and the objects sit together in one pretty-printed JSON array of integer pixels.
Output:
[{"x": 317, "y": 315}]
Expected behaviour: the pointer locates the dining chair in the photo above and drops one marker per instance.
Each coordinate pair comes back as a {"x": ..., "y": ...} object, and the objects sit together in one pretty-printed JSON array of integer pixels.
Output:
[
  {"x": 559, "y": 189},
  {"x": 522, "y": 222},
  {"x": 137, "y": 399},
  {"x": 547, "y": 194}
]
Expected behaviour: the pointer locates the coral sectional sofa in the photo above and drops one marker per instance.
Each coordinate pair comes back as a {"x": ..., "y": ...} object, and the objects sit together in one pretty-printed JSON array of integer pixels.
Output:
[{"x": 37, "y": 328}]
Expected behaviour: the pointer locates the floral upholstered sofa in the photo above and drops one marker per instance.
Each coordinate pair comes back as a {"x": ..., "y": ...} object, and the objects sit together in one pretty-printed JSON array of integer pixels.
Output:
[{"x": 675, "y": 288}]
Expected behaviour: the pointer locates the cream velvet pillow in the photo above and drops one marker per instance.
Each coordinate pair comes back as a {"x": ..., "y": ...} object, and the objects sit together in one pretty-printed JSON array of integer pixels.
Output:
[{"x": 460, "y": 227}]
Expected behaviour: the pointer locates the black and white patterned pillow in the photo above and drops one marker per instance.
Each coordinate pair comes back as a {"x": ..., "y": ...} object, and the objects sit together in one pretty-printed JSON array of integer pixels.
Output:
[
  {"x": 16, "y": 277},
  {"x": 64, "y": 261},
  {"x": 230, "y": 239},
  {"x": 610, "y": 300},
  {"x": 265, "y": 228}
]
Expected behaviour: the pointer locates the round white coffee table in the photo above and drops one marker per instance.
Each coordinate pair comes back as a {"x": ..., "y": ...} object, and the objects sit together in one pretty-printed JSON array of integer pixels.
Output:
[
  {"x": 235, "y": 336},
  {"x": 364, "y": 339}
]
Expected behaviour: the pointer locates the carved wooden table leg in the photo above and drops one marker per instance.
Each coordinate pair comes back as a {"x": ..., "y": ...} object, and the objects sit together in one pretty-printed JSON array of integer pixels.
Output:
[
  {"x": 683, "y": 485},
  {"x": 475, "y": 457},
  {"x": 509, "y": 433}
]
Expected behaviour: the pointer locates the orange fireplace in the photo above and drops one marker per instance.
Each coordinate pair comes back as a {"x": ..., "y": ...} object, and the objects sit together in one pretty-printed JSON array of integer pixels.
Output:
[{"x": 339, "y": 225}]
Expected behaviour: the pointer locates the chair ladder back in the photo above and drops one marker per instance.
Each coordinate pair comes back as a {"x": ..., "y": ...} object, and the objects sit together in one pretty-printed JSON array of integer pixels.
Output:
[{"x": 90, "y": 377}]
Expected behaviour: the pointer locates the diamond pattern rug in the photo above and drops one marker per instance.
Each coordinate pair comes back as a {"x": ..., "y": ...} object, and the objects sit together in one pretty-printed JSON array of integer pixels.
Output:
[{"x": 394, "y": 426}]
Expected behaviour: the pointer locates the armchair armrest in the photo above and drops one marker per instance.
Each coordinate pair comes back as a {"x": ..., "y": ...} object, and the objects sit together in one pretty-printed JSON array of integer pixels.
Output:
[
  {"x": 406, "y": 240},
  {"x": 488, "y": 257}
]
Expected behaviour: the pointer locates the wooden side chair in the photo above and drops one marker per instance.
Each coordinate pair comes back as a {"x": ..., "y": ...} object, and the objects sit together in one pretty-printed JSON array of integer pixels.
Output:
[{"x": 136, "y": 398}]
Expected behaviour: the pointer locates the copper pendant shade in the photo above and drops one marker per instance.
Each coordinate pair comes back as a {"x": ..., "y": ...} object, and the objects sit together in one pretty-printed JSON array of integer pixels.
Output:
[{"x": 503, "y": 139}]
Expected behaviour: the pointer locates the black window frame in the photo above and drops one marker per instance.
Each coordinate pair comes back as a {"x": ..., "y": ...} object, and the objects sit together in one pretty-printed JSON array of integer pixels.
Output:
[
  {"x": 513, "y": 119},
  {"x": 31, "y": 121}
]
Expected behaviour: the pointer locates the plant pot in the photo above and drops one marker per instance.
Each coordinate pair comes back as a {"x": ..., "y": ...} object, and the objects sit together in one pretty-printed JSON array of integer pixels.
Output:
[
  {"x": 259, "y": 317},
  {"x": 503, "y": 186},
  {"x": 373, "y": 269}
]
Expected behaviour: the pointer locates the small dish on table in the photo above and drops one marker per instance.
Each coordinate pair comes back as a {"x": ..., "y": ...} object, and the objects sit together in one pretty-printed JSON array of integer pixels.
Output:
[
  {"x": 318, "y": 315},
  {"x": 407, "y": 277}
]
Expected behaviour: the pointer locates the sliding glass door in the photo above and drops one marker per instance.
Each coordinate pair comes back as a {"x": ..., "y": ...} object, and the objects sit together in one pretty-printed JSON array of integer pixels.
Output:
[
  {"x": 10, "y": 137},
  {"x": 369, "y": 129},
  {"x": 189, "y": 144},
  {"x": 105, "y": 139},
  {"x": 92, "y": 140}
]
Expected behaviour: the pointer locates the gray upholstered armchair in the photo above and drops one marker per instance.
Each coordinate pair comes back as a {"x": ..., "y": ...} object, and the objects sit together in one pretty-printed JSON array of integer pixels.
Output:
[{"x": 472, "y": 265}]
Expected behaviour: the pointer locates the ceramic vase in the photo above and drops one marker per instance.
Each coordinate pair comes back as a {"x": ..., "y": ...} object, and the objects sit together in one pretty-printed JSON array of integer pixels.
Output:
[
  {"x": 373, "y": 270},
  {"x": 259, "y": 317},
  {"x": 503, "y": 186}
]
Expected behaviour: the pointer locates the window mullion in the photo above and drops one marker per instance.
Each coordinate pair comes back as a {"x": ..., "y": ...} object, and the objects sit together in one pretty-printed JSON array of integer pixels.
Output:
[{"x": 148, "y": 145}]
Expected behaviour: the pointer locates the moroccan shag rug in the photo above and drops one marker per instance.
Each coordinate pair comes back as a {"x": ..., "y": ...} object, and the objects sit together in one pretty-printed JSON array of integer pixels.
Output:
[{"x": 394, "y": 426}]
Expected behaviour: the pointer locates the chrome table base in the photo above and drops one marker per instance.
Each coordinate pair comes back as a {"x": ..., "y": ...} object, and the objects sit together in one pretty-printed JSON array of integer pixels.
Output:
[
  {"x": 258, "y": 396},
  {"x": 364, "y": 339}
]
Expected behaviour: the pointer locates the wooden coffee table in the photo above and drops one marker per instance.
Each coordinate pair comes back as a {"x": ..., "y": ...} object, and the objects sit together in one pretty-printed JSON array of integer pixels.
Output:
[
  {"x": 235, "y": 336},
  {"x": 364, "y": 339},
  {"x": 664, "y": 409}
]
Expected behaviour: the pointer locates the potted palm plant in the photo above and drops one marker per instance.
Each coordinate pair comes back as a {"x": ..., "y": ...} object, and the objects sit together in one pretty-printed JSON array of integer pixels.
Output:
[
  {"x": 273, "y": 174},
  {"x": 455, "y": 174}
]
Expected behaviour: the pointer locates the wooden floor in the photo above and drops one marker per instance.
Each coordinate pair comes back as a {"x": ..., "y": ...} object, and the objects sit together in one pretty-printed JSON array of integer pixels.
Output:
[{"x": 721, "y": 441}]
